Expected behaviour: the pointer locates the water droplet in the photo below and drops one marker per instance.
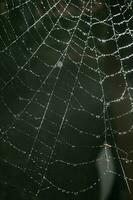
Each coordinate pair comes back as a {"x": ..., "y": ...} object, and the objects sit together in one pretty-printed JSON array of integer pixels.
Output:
[{"x": 59, "y": 64}]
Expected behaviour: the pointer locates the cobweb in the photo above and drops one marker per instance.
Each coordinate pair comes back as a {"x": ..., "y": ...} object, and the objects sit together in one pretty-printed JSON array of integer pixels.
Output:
[{"x": 66, "y": 80}]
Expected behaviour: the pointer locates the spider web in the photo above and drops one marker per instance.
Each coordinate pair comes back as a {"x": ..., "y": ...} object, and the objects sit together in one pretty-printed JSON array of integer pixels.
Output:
[{"x": 66, "y": 94}]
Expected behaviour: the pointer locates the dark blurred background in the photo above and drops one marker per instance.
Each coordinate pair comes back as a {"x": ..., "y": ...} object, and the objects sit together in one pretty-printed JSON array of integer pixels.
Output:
[{"x": 88, "y": 111}]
